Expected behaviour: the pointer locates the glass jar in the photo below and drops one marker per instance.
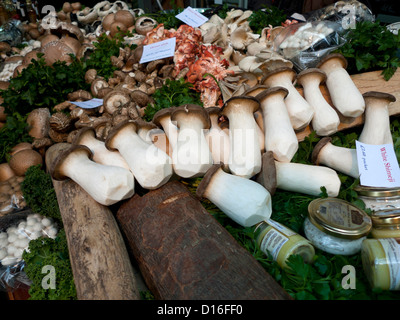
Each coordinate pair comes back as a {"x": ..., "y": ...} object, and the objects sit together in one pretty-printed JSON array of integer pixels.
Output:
[
  {"x": 381, "y": 262},
  {"x": 379, "y": 198},
  {"x": 386, "y": 224},
  {"x": 282, "y": 242},
  {"x": 336, "y": 226}
]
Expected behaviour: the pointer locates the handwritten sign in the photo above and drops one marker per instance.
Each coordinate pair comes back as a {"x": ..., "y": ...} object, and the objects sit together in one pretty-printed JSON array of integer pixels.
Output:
[
  {"x": 159, "y": 50},
  {"x": 378, "y": 165},
  {"x": 89, "y": 104},
  {"x": 191, "y": 17}
]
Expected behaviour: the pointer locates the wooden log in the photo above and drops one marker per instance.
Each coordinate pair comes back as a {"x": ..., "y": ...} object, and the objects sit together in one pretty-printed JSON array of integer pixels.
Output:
[
  {"x": 368, "y": 81},
  {"x": 100, "y": 262},
  {"x": 184, "y": 253}
]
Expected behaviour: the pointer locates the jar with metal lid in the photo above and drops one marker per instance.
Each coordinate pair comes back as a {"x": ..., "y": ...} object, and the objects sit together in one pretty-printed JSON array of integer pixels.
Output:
[
  {"x": 376, "y": 198},
  {"x": 381, "y": 262},
  {"x": 336, "y": 226},
  {"x": 386, "y": 224},
  {"x": 282, "y": 242}
]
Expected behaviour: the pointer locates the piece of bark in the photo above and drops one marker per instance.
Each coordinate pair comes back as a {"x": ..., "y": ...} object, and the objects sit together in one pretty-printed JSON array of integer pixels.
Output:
[
  {"x": 184, "y": 253},
  {"x": 100, "y": 262}
]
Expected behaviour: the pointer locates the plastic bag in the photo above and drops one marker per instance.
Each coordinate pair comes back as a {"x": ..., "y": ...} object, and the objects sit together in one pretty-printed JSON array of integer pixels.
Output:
[
  {"x": 11, "y": 33},
  {"x": 11, "y": 197},
  {"x": 304, "y": 44},
  {"x": 14, "y": 239},
  {"x": 346, "y": 13}
]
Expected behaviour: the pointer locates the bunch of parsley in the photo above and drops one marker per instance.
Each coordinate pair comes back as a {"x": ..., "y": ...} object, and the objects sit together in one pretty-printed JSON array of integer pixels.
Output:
[
  {"x": 173, "y": 94},
  {"x": 371, "y": 46},
  {"x": 260, "y": 19}
]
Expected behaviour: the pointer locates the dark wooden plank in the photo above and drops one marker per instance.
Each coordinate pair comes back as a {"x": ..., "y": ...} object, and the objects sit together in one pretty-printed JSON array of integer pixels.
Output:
[
  {"x": 100, "y": 262},
  {"x": 184, "y": 253}
]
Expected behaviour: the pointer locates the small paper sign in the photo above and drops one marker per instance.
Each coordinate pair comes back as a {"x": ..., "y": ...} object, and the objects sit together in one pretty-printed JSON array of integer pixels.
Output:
[
  {"x": 191, "y": 17},
  {"x": 89, "y": 104},
  {"x": 378, "y": 165},
  {"x": 159, "y": 50}
]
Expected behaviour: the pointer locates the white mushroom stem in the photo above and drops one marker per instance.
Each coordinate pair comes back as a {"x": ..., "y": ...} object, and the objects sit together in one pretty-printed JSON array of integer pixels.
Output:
[
  {"x": 300, "y": 111},
  {"x": 150, "y": 165},
  {"x": 326, "y": 120},
  {"x": 376, "y": 128},
  {"x": 101, "y": 154},
  {"x": 104, "y": 183},
  {"x": 280, "y": 137},
  {"x": 244, "y": 155},
  {"x": 344, "y": 94},
  {"x": 191, "y": 155},
  {"x": 217, "y": 139},
  {"x": 163, "y": 119},
  {"x": 341, "y": 159},
  {"x": 243, "y": 200}
]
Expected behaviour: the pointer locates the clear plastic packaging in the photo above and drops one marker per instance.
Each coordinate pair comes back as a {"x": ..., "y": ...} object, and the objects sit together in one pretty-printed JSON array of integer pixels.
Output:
[
  {"x": 306, "y": 43},
  {"x": 11, "y": 197},
  {"x": 16, "y": 231}
]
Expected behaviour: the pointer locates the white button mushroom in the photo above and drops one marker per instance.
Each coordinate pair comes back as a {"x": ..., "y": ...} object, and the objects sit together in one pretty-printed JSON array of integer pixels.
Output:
[
  {"x": 300, "y": 111},
  {"x": 340, "y": 159},
  {"x": 105, "y": 184},
  {"x": 151, "y": 166},
  {"x": 376, "y": 128},
  {"x": 243, "y": 200},
  {"x": 326, "y": 120},
  {"x": 344, "y": 94}
]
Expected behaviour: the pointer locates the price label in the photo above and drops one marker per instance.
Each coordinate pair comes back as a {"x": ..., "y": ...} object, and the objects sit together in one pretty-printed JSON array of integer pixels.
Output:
[
  {"x": 378, "y": 165},
  {"x": 191, "y": 17},
  {"x": 159, "y": 50},
  {"x": 89, "y": 104}
]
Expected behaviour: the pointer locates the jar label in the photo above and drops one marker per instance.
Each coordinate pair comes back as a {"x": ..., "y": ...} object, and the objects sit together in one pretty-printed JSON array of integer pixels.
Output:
[
  {"x": 341, "y": 214},
  {"x": 392, "y": 252},
  {"x": 273, "y": 242},
  {"x": 280, "y": 228}
]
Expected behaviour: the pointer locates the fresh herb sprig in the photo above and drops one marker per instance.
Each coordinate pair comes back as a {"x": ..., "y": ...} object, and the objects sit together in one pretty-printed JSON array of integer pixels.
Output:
[
  {"x": 371, "y": 46},
  {"x": 260, "y": 19}
]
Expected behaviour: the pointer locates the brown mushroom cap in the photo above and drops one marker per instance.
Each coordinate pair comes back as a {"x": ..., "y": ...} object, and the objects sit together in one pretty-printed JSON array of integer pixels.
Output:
[
  {"x": 213, "y": 111},
  {"x": 191, "y": 110},
  {"x": 32, "y": 55},
  {"x": 131, "y": 125},
  {"x": 284, "y": 71},
  {"x": 5, "y": 47},
  {"x": 160, "y": 114},
  {"x": 254, "y": 91},
  {"x": 239, "y": 103},
  {"x": 144, "y": 125},
  {"x": 73, "y": 43},
  {"x": 117, "y": 27},
  {"x": 125, "y": 17},
  {"x": 115, "y": 99},
  {"x": 206, "y": 180},
  {"x": 274, "y": 90},
  {"x": 317, "y": 149},
  {"x": 19, "y": 147},
  {"x": 379, "y": 95},
  {"x": 107, "y": 21},
  {"x": 142, "y": 99},
  {"x": 144, "y": 24},
  {"x": 311, "y": 72},
  {"x": 56, "y": 167},
  {"x": 6, "y": 172},
  {"x": 57, "y": 51},
  {"x": 267, "y": 176},
  {"x": 337, "y": 56},
  {"x": 48, "y": 38},
  {"x": 21, "y": 161}
]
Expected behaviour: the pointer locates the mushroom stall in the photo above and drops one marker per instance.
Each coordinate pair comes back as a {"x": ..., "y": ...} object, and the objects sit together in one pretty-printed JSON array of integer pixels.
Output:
[{"x": 228, "y": 169}]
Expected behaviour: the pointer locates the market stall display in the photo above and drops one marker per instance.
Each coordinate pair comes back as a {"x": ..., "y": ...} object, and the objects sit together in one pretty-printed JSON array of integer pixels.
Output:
[{"x": 248, "y": 116}]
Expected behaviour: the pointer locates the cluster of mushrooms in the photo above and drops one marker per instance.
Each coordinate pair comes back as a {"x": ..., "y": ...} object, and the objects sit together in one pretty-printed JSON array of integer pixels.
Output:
[{"x": 242, "y": 149}]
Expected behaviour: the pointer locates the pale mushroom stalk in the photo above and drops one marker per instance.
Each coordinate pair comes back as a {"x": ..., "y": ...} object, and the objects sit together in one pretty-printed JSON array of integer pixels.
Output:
[
  {"x": 243, "y": 200},
  {"x": 344, "y": 93},
  {"x": 217, "y": 139},
  {"x": 280, "y": 137},
  {"x": 105, "y": 184},
  {"x": 341, "y": 159},
  {"x": 297, "y": 177},
  {"x": 300, "y": 111},
  {"x": 376, "y": 128},
  {"x": 326, "y": 120},
  {"x": 151, "y": 166},
  {"x": 191, "y": 155},
  {"x": 244, "y": 155},
  {"x": 87, "y": 137},
  {"x": 162, "y": 118}
]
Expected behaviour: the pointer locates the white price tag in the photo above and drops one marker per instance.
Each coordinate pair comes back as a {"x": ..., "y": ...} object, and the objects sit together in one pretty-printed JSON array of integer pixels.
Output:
[
  {"x": 89, "y": 104},
  {"x": 377, "y": 165},
  {"x": 159, "y": 50},
  {"x": 191, "y": 17}
]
